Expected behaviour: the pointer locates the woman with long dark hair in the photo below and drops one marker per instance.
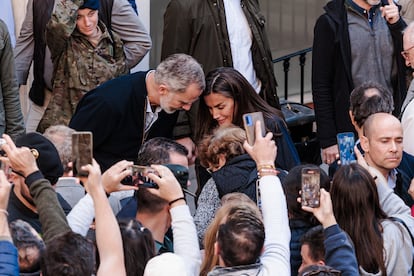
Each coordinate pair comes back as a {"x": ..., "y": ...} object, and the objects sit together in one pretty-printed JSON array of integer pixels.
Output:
[
  {"x": 382, "y": 245},
  {"x": 227, "y": 96}
]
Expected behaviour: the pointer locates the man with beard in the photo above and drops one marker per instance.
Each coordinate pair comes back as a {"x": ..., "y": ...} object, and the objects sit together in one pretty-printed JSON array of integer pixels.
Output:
[
  {"x": 122, "y": 113},
  {"x": 21, "y": 204},
  {"x": 354, "y": 41}
]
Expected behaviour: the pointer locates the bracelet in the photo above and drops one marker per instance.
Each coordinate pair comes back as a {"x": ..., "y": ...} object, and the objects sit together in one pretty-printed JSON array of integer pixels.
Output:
[
  {"x": 4, "y": 212},
  {"x": 265, "y": 166},
  {"x": 175, "y": 200},
  {"x": 263, "y": 172}
]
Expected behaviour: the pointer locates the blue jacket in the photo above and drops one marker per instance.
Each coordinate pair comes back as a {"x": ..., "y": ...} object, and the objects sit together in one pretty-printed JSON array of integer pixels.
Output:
[
  {"x": 339, "y": 251},
  {"x": 9, "y": 265}
]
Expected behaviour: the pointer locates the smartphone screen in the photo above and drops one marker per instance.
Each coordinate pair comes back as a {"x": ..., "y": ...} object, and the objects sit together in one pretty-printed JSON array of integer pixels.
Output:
[
  {"x": 310, "y": 187},
  {"x": 140, "y": 177},
  {"x": 81, "y": 151},
  {"x": 249, "y": 121},
  {"x": 346, "y": 143}
]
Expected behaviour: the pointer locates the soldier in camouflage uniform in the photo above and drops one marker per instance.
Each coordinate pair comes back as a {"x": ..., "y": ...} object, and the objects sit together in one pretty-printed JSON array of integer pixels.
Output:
[{"x": 84, "y": 54}]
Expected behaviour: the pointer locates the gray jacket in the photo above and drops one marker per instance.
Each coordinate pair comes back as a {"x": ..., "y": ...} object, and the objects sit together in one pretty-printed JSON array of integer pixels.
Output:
[{"x": 11, "y": 118}]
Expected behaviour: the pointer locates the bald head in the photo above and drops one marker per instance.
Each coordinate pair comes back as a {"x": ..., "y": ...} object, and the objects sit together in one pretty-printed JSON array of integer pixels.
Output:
[
  {"x": 382, "y": 142},
  {"x": 380, "y": 121}
]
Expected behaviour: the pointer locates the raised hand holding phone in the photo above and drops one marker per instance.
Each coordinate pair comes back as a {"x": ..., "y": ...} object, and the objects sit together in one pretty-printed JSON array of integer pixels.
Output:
[{"x": 249, "y": 122}]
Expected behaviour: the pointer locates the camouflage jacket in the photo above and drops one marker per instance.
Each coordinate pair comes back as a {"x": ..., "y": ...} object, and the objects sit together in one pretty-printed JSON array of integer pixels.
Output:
[{"x": 78, "y": 66}]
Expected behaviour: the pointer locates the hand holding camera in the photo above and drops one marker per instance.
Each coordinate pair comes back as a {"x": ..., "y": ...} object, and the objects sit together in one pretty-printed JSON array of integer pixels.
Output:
[
  {"x": 324, "y": 212},
  {"x": 168, "y": 186},
  {"x": 118, "y": 177}
]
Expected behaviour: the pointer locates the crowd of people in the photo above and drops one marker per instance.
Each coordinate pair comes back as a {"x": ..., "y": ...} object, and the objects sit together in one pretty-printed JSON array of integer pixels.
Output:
[{"x": 187, "y": 113}]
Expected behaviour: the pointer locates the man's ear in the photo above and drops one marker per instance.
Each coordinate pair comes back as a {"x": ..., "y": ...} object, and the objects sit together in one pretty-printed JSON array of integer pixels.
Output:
[
  {"x": 364, "y": 143},
  {"x": 163, "y": 89},
  {"x": 351, "y": 115},
  {"x": 321, "y": 262}
]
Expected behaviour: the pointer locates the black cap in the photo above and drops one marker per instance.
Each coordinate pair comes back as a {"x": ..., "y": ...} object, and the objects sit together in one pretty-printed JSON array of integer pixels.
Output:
[{"x": 48, "y": 160}]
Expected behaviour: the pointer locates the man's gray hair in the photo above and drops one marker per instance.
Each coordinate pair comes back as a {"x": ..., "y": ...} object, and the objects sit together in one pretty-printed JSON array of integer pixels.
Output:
[
  {"x": 61, "y": 137},
  {"x": 179, "y": 71}
]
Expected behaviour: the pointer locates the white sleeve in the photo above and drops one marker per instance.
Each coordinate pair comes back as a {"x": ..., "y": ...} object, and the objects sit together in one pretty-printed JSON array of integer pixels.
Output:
[
  {"x": 82, "y": 215},
  {"x": 185, "y": 238},
  {"x": 407, "y": 122},
  {"x": 276, "y": 255}
]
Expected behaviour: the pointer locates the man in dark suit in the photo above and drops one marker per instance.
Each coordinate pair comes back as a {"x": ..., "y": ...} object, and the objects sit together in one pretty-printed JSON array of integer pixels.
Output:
[{"x": 122, "y": 113}]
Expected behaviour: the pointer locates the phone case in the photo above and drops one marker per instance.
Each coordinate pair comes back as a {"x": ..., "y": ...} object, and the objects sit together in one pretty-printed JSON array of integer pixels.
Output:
[
  {"x": 81, "y": 151},
  {"x": 346, "y": 143},
  {"x": 310, "y": 187},
  {"x": 249, "y": 121}
]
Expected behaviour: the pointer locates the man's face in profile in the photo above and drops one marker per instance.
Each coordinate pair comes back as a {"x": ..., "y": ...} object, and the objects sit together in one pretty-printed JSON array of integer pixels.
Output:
[{"x": 172, "y": 101}]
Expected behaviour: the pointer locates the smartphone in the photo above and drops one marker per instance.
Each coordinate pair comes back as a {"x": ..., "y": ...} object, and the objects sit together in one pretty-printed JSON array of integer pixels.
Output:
[
  {"x": 346, "y": 143},
  {"x": 139, "y": 177},
  {"x": 310, "y": 187},
  {"x": 249, "y": 122},
  {"x": 81, "y": 151}
]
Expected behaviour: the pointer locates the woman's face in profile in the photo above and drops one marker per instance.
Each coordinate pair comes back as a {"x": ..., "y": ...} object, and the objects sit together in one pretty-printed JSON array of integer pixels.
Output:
[{"x": 221, "y": 108}]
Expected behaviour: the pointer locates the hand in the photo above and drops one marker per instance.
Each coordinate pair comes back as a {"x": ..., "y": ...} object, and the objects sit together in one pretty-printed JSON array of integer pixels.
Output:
[
  {"x": 264, "y": 149},
  {"x": 5, "y": 188},
  {"x": 169, "y": 188},
  {"x": 111, "y": 179},
  {"x": 330, "y": 154},
  {"x": 93, "y": 183},
  {"x": 390, "y": 12},
  {"x": 189, "y": 144},
  {"x": 324, "y": 213},
  {"x": 21, "y": 160}
]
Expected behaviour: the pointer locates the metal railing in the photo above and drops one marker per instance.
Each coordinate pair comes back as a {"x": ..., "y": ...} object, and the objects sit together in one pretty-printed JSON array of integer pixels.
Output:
[{"x": 286, "y": 67}]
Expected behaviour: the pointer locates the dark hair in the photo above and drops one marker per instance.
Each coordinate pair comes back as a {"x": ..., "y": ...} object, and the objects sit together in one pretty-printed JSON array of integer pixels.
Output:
[
  {"x": 319, "y": 270},
  {"x": 138, "y": 245},
  {"x": 23, "y": 238},
  {"x": 230, "y": 83},
  {"x": 315, "y": 238},
  {"x": 292, "y": 184},
  {"x": 157, "y": 151},
  {"x": 69, "y": 254},
  {"x": 241, "y": 237},
  {"x": 357, "y": 209},
  {"x": 364, "y": 104}
]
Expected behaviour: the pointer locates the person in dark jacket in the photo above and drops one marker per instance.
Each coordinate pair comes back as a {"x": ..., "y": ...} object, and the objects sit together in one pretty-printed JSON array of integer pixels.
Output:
[
  {"x": 121, "y": 124},
  {"x": 354, "y": 41},
  {"x": 227, "y": 96},
  {"x": 299, "y": 221}
]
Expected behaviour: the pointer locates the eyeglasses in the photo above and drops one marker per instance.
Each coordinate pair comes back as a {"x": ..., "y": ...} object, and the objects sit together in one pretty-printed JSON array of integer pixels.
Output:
[{"x": 405, "y": 53}]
